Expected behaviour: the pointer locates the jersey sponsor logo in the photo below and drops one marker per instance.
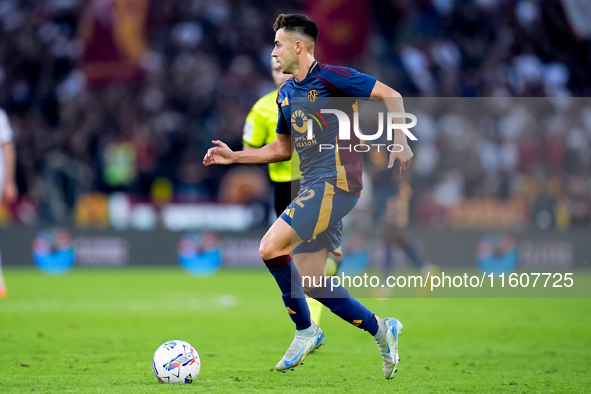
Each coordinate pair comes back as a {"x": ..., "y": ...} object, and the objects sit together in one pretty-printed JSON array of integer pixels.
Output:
[
  {"x": 299, "y": 121},
  {"x": 312, "y": 95},
  {"x": 303, "y": 142}
]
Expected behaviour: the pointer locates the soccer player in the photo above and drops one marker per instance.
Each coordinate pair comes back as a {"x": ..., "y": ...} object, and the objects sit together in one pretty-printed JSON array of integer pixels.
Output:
[
  {"x": 7, "y": 184},
  {"x": 259, "y": 130},
  {"x": 331, "y": 184}
]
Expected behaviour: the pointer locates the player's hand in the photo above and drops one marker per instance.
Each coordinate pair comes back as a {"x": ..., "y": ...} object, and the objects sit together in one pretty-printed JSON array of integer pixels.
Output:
[
  {"x": 405, "y": 156},
  {"x": 219, "y": 154},
  {"x": 9, "y": 194}
]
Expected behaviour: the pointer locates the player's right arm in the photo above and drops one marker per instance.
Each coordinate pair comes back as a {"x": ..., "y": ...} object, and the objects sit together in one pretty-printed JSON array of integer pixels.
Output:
[{"x": 278, "y": 150}]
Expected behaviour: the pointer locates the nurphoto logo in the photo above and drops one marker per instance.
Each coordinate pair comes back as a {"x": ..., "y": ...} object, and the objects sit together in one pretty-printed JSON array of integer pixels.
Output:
[{"x": 394, "y": 120}]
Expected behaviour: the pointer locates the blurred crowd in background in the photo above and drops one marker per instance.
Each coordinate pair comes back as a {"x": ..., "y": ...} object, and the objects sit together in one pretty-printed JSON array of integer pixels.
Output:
[{"x": 109, "y": 96}]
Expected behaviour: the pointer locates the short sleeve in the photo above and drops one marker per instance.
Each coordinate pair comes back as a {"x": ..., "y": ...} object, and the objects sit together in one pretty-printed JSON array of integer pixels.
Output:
[
  {"x": 360, "y": 84},
  {"x": 350, "y": 81},
  {"x": 282, "y": 125}
]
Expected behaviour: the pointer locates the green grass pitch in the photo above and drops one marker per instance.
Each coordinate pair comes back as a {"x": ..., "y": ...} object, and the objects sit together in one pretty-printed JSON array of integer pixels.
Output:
[{"x": 95, "y": 330}]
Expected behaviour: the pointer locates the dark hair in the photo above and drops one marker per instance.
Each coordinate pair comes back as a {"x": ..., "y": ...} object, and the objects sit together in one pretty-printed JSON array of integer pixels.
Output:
[{"x": 299, "y": 23}]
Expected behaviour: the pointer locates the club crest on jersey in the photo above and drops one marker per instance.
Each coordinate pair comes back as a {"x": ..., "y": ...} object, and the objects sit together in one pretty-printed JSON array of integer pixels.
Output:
[{"x": 312, "y": 95}]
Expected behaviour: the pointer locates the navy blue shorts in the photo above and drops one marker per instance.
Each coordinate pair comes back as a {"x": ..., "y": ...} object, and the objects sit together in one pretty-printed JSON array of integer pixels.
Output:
[{"x": 315, "y": 215}]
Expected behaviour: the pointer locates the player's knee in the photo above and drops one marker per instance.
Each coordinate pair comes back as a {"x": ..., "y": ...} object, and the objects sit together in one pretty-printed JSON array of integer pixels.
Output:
[{"x": 266, "y": 250}]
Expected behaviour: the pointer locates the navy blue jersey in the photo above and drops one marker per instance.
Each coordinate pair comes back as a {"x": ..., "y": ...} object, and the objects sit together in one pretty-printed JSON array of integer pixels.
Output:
[{"x": 342, "y": 167}]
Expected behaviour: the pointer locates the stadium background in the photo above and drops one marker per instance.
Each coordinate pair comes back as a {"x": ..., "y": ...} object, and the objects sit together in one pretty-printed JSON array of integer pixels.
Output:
[{"x": 115, "y": 102}]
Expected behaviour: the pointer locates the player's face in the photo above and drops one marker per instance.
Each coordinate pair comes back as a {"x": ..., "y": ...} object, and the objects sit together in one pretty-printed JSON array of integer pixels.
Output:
[
  {"x": 284, "y": 52},
  {"x": 278, "y": 76}
]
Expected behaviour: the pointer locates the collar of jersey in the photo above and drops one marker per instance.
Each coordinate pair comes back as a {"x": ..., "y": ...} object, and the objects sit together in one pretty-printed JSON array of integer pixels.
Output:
[{"x": 303, "y": 81}]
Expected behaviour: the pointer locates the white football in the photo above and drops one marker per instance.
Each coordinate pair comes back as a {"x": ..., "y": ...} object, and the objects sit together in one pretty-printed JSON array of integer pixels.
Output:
[{"x": 176, "y": 362}]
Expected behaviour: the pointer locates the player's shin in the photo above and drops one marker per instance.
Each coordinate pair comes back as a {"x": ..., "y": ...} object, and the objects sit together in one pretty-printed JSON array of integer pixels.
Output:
[
  {"x": 340, "y": 302},
  {"x": 288, "y": 278}
]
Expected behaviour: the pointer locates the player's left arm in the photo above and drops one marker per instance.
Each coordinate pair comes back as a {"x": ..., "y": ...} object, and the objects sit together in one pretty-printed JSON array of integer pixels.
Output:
[{"x": 393, "y": 101}]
